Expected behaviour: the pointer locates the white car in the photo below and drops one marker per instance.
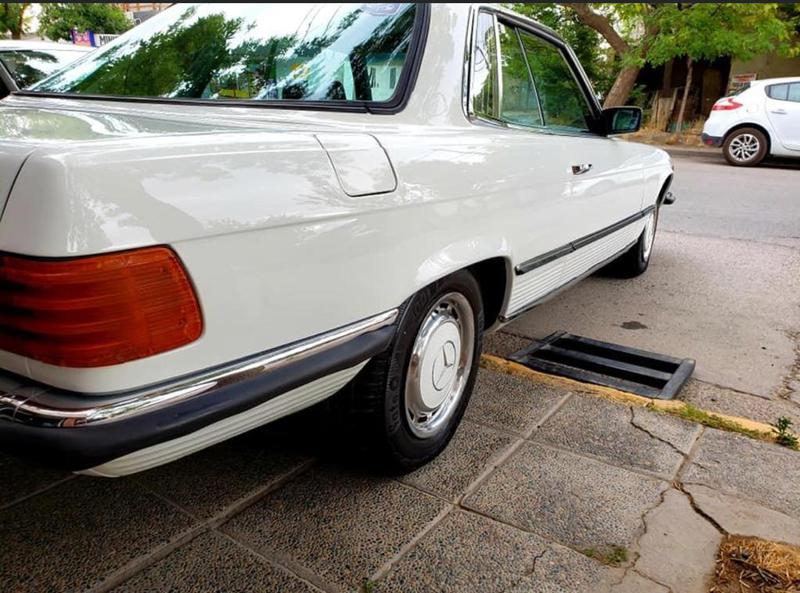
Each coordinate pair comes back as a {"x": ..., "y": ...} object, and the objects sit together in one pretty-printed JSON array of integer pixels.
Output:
[
  {"x": 762, "y": 119},
  {"x": 25, "y": 62},
  {"x": 327, "y": 198}
]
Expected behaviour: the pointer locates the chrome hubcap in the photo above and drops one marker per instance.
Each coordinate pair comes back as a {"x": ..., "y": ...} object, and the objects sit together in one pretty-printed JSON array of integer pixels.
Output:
[
  {"x": 649, "y": 235},
  {"x": 441, "y": 360},
  {"x": 744, "y": 147}
]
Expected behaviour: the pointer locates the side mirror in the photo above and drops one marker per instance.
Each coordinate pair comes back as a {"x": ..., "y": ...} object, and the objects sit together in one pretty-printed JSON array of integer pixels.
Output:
[{"x": 622, "y": 120}]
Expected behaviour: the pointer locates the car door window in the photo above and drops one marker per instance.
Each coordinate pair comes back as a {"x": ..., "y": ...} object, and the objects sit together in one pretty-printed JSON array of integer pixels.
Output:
[
  {"x": 778, "y": 91},
  {"x": 564, "y": 104},
  {"x": 519, "y": 101},
  {"x": 794, "y": 92}
]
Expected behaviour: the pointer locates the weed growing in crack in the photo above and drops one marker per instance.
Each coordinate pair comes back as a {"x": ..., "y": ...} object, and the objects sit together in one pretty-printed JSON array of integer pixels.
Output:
[
  {"x": 784, "y": 434},
  {"x": 610, "y": 555}
]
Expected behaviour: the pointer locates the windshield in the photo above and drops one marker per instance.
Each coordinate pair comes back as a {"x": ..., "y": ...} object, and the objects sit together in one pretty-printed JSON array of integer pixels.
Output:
[
  {"x": 28, "y": 66},
  {"x": 260, "y": 52}
]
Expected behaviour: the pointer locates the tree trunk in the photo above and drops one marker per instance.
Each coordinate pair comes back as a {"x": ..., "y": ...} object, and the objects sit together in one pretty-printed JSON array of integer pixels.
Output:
[
  {"x": 16, "y": 34},
  {"x": 682, "y": 110},
  {"x": 622, "y": 87}
]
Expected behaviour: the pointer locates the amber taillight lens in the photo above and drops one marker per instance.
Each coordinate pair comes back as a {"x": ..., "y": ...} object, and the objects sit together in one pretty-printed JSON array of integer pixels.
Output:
[{"x": 96, "y": 311}]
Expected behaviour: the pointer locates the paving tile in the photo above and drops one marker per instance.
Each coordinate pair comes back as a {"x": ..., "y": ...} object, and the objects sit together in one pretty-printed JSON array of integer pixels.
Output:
[
  {"x": 73, "y": 535},
  {"x": 473, "y": 448},
  {"x": 573, "y": 500},
  {"x": 753, "y": 470},
  {"x": 679, "y": 547},
  {"x": 744, "y": 517},
  {"x": 341, "y": 525},
  {"x": 561, "y": 570},
  {"x": 604, "y": 429},
  {"x": 510, "y": 403},
  {"x": 19, "y": 479},
  {"x": 207, "y": 482},
  {"x": 635, "y": 583},
  {"x": 211, "y": 562},
  {"x": 466, "y": 552}
]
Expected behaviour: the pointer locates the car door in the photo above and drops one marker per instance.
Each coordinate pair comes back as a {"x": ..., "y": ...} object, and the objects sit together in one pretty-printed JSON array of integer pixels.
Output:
[
  {"x": 603, "y": 175},
  {"x": 568, "y": 183},
  {"x": 783, "y": 111}
]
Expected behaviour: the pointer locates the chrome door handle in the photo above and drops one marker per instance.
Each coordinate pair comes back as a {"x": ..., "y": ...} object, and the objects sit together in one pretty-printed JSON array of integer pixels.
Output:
[
  {"x": 581, "y": 169},
  {"x": 779, "y": 111}
]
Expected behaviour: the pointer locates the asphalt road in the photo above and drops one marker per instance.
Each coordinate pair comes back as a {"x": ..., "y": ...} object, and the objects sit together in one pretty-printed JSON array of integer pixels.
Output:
[
  {"x": 723, "y": 286},
  {"x": 759, "y": 204}
]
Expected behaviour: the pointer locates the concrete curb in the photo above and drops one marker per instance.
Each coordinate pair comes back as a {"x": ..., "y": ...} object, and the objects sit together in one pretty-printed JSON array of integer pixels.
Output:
[{"x": 755, "y": 430}]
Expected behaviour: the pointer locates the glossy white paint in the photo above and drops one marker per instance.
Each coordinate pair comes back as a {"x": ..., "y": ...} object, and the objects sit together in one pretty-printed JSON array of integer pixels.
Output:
[{"x": 284, "y": 240}]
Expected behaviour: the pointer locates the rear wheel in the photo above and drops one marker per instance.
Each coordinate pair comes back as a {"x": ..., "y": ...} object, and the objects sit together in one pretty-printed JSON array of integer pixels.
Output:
[
  {"x": 636, "y": 259},
  {"x": 409, "y": 400},
  {"x": 745, "y": 147}
]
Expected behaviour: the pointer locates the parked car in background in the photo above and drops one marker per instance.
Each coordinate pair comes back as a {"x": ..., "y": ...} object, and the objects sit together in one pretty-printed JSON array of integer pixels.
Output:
[
  {"x": 340, "y": 198},
  {"x": 23, "y": 62},
  {"x": 762, "y": 119}
]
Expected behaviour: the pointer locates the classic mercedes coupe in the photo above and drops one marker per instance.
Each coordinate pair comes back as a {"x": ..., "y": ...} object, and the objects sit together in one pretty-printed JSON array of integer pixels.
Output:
[{"x": 233, "y": 212}]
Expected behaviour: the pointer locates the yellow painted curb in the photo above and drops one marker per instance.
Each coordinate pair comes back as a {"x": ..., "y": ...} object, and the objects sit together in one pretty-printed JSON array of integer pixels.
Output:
[{"x": 759, "y": 430}]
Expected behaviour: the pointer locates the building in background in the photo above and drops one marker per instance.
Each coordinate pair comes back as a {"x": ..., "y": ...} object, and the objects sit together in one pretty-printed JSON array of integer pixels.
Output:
[{"x": 141, "y": 11}]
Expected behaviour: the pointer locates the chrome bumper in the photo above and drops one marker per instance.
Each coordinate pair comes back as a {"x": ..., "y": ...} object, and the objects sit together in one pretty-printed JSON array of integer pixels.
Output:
[{"x": 98, "y": 426}]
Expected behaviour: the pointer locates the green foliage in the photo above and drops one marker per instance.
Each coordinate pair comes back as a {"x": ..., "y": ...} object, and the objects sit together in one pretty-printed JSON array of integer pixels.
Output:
[
  {"x": 784, "y": 434},
  {"x": 706, "y": 31},
  {"x": 610, "y": 555},
  {"x": 57, "y": 19},
  {"x": 13, "y": 19}
]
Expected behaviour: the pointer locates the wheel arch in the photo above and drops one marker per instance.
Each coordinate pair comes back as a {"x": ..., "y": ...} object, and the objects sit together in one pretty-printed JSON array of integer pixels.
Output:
[
  {"x": 493, "y": 276},
  {"x": 753, "y": 125}
]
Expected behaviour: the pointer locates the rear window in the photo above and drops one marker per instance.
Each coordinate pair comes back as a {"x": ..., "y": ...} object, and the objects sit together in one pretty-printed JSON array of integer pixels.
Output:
[
  {"x": 28, "y": 66},
  {"x": 334, "y": 53}
]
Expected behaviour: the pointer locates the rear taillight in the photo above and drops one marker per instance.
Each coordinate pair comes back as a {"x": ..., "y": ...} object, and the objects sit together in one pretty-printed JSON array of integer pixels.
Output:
[
  {"x": 99, "y": 310},
  {"x": 726, "y": 104}
]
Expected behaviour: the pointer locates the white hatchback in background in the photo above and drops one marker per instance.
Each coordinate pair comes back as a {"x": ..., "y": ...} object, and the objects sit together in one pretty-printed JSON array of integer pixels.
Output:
[{"x": 762, "y": 119}]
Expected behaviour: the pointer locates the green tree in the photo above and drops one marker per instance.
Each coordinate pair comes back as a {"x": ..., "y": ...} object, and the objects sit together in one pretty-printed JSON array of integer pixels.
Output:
[
  {"x": 13, "y": 18},
  {"x": 57, "y": 19},
  {"x": 658, "y": 32},
  {"x": 706, "y": 31}
]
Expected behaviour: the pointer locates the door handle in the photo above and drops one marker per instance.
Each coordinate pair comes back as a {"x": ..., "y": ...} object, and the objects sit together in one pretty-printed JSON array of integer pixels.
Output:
[
  {"x": 778, "y": 111},
  {"x": 581, "y": 169}
]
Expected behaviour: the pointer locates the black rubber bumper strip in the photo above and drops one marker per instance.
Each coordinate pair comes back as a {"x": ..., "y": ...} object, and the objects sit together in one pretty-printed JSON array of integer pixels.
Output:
[{"x": 83, "y": 447}]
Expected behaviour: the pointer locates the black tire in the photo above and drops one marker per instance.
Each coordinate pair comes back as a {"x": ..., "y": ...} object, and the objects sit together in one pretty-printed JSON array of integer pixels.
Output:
[
  {"x": 374, "y": 404},
  {"x": 735, "y": 147},
  {"x": 634, "y": 261}
]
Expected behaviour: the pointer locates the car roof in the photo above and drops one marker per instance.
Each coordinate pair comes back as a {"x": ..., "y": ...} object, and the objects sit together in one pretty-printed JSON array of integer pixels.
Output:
[
  {"x": 765, "y": 81},
  {"x": 12, "y": 44}
]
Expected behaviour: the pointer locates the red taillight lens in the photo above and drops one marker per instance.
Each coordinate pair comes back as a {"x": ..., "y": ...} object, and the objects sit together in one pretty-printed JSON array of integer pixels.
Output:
[
  {"x": 726, "y": 104},
  {"x": 96, "y": 311}
]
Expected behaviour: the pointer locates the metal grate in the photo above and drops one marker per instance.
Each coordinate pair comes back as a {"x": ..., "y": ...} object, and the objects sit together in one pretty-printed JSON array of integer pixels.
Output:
[{"x": 591, "y": 361}]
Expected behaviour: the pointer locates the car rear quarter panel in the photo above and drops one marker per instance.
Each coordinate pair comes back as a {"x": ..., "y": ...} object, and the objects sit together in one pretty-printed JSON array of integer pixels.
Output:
[{"x": 276, "y": 249}]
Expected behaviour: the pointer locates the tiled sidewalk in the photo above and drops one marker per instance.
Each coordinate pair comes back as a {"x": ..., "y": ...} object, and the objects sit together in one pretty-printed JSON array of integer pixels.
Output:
[{"x": 535, "y": 482}]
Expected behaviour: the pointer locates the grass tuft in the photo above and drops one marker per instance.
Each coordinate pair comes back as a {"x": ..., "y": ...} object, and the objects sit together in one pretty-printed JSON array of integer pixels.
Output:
[
  {"x": 689, "y": 412},
  {"x": 783, "y": 433},
  {"x": 610, "y": 555}
]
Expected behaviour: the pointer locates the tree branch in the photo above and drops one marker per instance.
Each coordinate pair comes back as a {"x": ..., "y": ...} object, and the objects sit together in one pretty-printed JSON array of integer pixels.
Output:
[{"x": 601, "y": 24}]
